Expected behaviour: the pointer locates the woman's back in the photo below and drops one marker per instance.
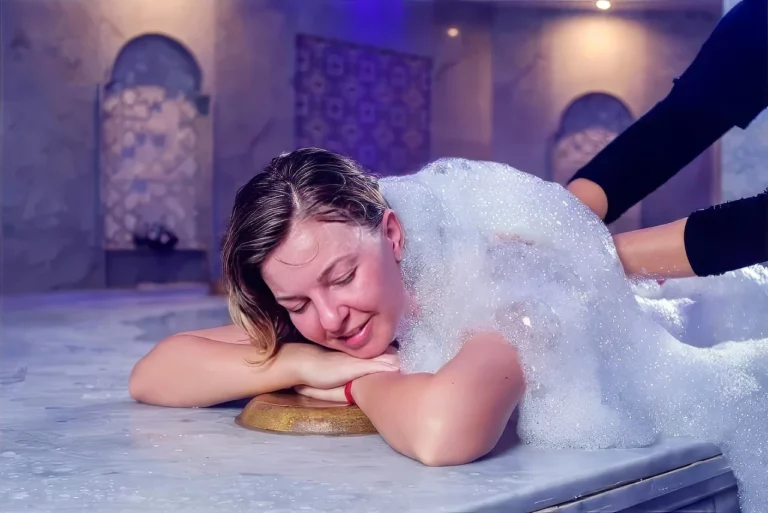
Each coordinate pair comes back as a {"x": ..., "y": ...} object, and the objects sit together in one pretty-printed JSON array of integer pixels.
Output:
[{"x": 490, "y": 247}]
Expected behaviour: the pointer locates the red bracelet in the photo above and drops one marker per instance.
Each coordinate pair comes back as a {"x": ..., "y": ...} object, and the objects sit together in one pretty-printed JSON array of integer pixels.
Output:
[{"x": 348, "y": 393}]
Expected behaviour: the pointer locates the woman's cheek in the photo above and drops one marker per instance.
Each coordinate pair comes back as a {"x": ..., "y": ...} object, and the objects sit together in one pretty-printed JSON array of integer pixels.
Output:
[{"x": 308, "y": 326}]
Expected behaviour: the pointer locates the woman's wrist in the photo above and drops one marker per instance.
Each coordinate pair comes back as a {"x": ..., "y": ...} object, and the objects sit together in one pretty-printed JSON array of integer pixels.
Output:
[
  {"x": 361, "y": 388},
  {"x": 348, "y": 393},
  {"x": 290, "y": 365}
]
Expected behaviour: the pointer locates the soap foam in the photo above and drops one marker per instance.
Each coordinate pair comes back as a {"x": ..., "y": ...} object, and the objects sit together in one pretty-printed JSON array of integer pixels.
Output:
[{"x": 608, "y": 363}]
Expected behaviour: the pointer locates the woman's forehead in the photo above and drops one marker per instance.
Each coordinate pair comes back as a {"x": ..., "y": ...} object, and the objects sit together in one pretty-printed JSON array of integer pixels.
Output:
[{"x": 313, "y": 244}]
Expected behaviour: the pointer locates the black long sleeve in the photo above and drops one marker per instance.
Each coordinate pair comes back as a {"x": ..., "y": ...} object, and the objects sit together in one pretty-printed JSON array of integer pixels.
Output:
[
  {"x": 728, "y": 236},
  {"x": 725, "y": 86}
]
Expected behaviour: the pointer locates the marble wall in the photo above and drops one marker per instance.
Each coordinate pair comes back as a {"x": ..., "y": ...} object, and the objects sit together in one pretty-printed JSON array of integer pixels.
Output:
[
  {"x": 462, "y": 80},
  {"x": 50, "y": 203},
  {"x": 586, "y": 127},
  {"x": 57, "y": 55},
  {"x": 744, "y": 156},
  {"x": 543, "y": 59},
  {"x": 500, "y": 83},
  {"x": 255, "y": 106}
]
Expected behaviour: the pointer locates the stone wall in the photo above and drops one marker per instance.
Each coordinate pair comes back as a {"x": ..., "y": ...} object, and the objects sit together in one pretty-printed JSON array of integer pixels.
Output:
[
  {"x": 50, "y": 203},
  {"x": 500, "y": 84},
  {"x": 57, "y": 56},
  {"x": 255, "y": 109}
]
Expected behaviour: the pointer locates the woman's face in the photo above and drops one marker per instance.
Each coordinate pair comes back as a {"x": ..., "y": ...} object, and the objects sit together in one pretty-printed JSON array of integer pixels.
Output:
[{"x": 341, "y": 283}]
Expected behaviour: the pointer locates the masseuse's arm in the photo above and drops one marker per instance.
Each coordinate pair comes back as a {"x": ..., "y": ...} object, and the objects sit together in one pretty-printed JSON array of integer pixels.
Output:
[
  {"x": 725, "y": 86},
  {"x": 657, "y": 252},
  {"x": 709, "y": 242},
  {"x": 454, "y": 416}
]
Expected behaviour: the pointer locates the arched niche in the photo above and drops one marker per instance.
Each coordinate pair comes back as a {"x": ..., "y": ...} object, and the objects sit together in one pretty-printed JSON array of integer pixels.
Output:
[
  {"x": 151, "y": 166},
  {"x": 587, "y": 125}
]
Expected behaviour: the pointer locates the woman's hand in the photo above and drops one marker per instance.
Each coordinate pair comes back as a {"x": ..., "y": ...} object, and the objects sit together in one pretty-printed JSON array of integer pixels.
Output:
[
  {"x": 334, "y": 395},
  {"x": 319, "y": 369}
]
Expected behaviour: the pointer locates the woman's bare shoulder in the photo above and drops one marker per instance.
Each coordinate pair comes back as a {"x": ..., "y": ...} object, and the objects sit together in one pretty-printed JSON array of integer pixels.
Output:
[{"x": 229, "y": 334}]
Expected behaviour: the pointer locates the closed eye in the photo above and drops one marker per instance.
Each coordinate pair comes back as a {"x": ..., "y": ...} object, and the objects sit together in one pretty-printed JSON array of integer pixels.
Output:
[
  {"x": 299, "y": 310},
  {"x": 347, "y": 278}
]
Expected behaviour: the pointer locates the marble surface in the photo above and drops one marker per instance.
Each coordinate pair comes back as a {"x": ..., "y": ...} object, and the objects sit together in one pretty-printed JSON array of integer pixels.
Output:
[{"x": 72, "y": 439}]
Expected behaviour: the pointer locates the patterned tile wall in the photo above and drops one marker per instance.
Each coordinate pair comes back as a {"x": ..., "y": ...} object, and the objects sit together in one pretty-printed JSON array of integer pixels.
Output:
[
  {"x": 369, "y": 104},
  {"x": 150, "y": 171}
]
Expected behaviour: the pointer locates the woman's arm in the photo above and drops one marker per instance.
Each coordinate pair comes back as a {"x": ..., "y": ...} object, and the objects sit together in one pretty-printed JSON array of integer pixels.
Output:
[
  {"x": 205, "y": 368},
  {"x": 454, "y": 416},
  {"x": 209, "y": 367}
]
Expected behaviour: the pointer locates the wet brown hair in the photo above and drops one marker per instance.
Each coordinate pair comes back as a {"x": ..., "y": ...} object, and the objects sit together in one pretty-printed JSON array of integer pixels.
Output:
[{"x": 309, "y": 183}]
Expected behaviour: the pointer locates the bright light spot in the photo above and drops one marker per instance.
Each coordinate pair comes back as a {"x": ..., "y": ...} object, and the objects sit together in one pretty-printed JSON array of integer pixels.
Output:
[
  {"x": 453, "y": 32},
  {"x": 603, "y": 5}
]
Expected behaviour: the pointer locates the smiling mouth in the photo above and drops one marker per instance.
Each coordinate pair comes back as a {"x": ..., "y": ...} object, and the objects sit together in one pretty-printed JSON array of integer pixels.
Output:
[{"x": 354, "y": 332}]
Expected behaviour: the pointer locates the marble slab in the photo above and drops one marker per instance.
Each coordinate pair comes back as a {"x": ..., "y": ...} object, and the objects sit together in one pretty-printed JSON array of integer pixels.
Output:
[{"x": 73, "y": 440}]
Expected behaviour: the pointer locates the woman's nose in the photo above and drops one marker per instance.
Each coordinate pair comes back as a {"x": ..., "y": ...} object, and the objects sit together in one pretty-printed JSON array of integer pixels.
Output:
[{"x": 332, "y": 317}]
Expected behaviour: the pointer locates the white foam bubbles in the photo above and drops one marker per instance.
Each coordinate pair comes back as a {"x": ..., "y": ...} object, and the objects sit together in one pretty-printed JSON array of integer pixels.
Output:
[{"x": 488, "y": 246}]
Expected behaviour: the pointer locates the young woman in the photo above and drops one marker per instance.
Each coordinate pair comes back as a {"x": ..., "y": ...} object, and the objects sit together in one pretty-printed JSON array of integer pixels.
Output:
[{"x": 483, "y": 275}]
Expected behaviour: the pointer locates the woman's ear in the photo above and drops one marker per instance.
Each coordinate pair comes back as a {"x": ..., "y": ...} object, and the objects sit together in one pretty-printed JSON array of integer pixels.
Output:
[{"x": 393, "y": 233}]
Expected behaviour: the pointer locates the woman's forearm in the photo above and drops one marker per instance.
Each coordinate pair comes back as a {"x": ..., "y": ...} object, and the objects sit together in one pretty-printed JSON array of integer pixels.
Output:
[
  {"x": 187, "y": 370},
  {"x": 657, "y": 253},
  {"x": 454, "y": 416},
  {"x": 397, "y": 404}
]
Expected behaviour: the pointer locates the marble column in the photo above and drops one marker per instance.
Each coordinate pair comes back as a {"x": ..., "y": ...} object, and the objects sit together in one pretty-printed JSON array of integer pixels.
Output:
[{"x": 744, "y": 154}]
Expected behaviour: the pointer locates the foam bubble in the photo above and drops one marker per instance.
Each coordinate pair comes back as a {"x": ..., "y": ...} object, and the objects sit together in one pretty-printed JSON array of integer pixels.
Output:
[{"x": 608, "y": 363}]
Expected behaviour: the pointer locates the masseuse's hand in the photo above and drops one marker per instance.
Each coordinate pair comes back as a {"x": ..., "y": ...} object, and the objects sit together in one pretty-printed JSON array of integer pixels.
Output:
[
  {"x": 323, "y": 369},
  {"x": 591, "y": 194}
]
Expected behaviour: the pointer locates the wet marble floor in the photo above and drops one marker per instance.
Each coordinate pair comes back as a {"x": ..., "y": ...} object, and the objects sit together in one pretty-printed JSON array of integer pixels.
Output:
[{"x": 73, "y": 440}]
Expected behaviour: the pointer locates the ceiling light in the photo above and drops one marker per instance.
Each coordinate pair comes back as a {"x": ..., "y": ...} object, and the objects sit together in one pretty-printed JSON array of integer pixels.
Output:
[
  {"x": 603, "y": 5},
  {"x": 453, "y": 32}
]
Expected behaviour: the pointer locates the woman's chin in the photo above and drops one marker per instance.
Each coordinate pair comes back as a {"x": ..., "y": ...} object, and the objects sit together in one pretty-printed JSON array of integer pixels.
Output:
[{"x": 370, "y": 350}]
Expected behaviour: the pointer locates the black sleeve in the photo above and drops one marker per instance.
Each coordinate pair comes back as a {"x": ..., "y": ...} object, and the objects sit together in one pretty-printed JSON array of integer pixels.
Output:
[
  {"x": 725, "y": 86},
  {"x": 729, "y": 236}
]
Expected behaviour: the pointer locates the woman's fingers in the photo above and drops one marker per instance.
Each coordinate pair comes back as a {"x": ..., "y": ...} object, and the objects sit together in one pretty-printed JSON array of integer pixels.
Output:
[
  {"x": 333, "y": 369},
  {"x": 333, "y": 394},
  {"x": 357, "y": 368},
  {"x": 390, "y": 359}
]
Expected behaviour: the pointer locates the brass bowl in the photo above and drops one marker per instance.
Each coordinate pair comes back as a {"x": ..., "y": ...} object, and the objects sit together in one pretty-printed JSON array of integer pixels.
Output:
[{"x": 289, "y": 412}]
